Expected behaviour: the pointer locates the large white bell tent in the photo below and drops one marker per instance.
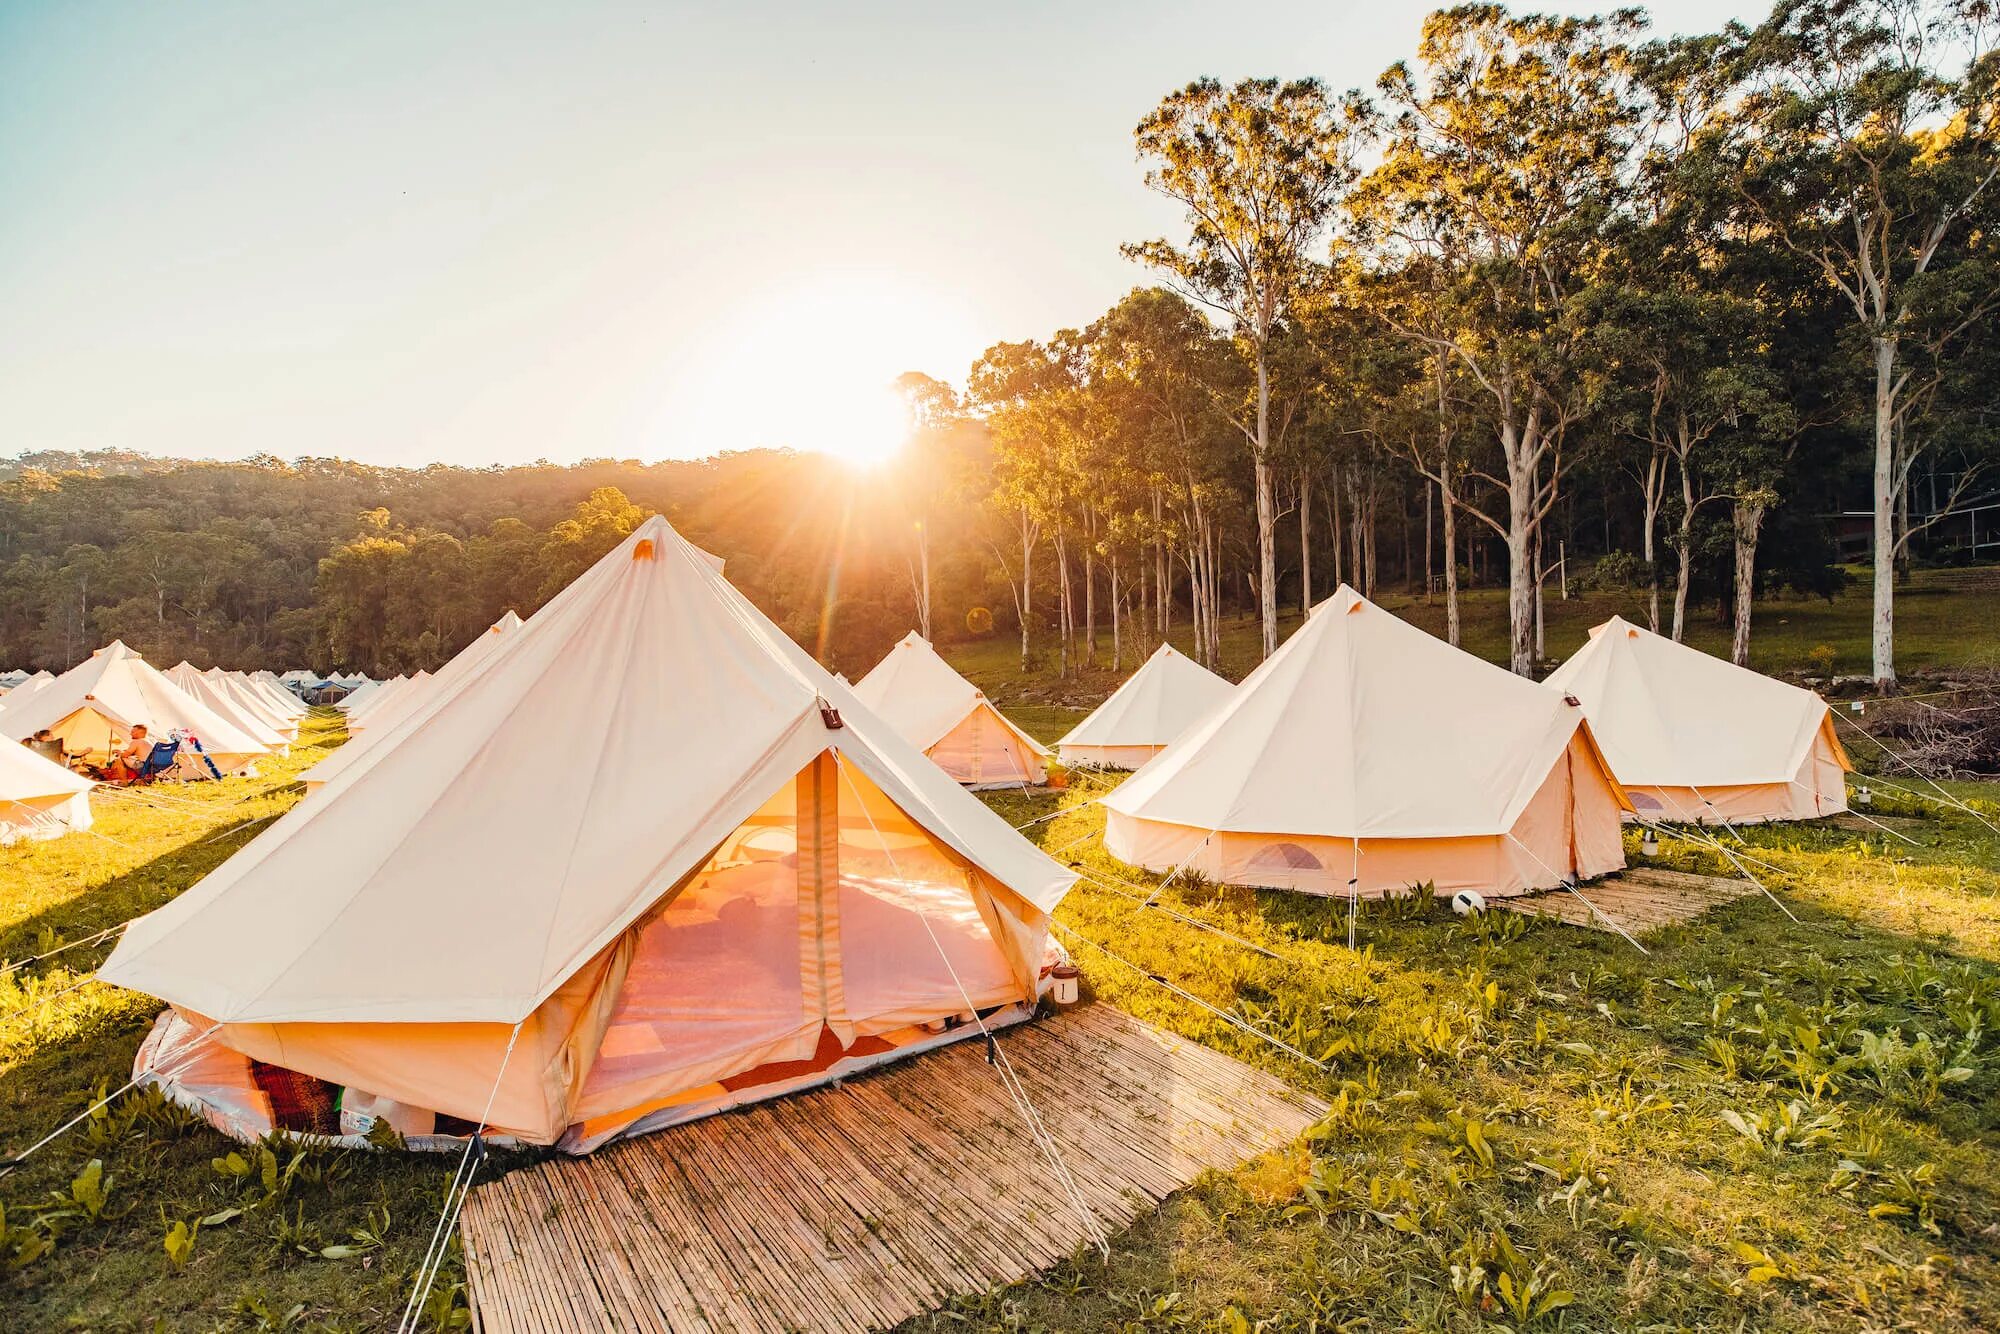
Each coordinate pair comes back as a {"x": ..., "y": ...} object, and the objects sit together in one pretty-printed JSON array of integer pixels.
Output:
[
  {"x": 386, "y": 724},
  {"x": 281, "y": 698},
  {"x": 1694, "y": 738},
  {"x": 950, "y": 719},
  {"x": 38, "y": 797},
  {"x": 25, "y": 685},
  {"x": 1170, "y": 693},
  {"x": 646, "y": 862},
  {"x": 209, "y": 692},
  {"x": 94, "y": 706},
  {"x": 1365, "y": 751}
]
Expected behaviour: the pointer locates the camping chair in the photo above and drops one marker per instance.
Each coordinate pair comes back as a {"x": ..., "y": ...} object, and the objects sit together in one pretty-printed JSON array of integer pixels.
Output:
[{"x": 161, "y": 760}]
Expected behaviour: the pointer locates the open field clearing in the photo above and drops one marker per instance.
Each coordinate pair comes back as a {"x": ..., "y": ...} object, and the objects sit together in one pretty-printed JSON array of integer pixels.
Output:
[{"x": 1757, "y": 1124}]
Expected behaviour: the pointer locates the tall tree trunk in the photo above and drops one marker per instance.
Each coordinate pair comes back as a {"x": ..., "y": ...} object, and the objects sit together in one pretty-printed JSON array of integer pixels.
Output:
[
  {"x": 1027, "y": 608},
  {"x": 1748, "y": 522},
  {"x": 1267, "y": 512},
  {"x": 1430, "y": 574},
  {"x": 1117, "y": 647},
  {"x": 1656, "y": 468},
  {"x": 1339, "y": 531},
  {"x": 1090, "y": 604},
  {"x": 1305, "y": 543},
  {"x": 1065, "y": 617},
  {"x": 1684, "y": 545},
  {"x": 1520, "y": 556},
  {"x": 1447, "y": 513},
  {"x": 1368, "y": 541},
  {"x": 1883, "y": 639}
]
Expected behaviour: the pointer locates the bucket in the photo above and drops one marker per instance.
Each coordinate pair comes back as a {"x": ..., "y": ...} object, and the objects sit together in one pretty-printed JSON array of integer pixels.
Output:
[{"x": 1062, "y": 984}]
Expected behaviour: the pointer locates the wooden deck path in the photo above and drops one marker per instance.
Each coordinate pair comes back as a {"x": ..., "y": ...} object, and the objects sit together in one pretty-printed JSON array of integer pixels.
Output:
[
  {"x": 857, "y": 1207},
  {"x": 1639, "y": 898}
]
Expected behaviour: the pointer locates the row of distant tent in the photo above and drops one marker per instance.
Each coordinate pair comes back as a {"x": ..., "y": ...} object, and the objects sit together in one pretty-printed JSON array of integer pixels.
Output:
[
  {"x": 218, "y": 723},
  {"x": 640, "y": 858}
]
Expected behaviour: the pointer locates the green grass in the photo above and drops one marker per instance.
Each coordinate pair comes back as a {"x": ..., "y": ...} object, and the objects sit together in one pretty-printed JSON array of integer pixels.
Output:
[
  {"x": 1536, "y": 1102},
  {"x": 1944, "y": 621}
]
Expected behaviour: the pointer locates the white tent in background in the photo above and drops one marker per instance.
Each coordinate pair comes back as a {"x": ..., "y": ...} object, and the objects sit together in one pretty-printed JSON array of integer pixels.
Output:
[
  {"x": 25, "y": 689},
  {"x": 1365, "y": 750},
  {"x": 209, "y": 692},
  {"x": 236, "y": 686},
  {"x": 1170, "y": 693},
  {"x": 270, "y": 690},
  {"x": 360, "y": 694},
  {"x": 722, "y": 878},
  {"x": 38, "y": 797},
  {"x": 1694, "y": 738},
  {"x": 386, "y": 702},
  {"x": 94, "y": 706},
  {"x": 947, "y": 717},
  {"x": 389, "y": 724}
]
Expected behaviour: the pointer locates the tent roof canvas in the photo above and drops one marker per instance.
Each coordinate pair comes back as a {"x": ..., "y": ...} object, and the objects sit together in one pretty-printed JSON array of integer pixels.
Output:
[
  {"x": 1361, "y": 725},
  {"x": 355, "y": 905},
  {"x": 1669, "y": 715},
  {"x": 210, "y": 692},
  {"x": 920, "y": 695},
  {"x": 26, "y": 776},
  {"x": 1170, "y": 693}
]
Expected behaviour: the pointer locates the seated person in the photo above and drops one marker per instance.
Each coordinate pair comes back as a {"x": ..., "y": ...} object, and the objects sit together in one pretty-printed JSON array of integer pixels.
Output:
[
  {"x": 49, "y": 746},
  {"x": 129, "y": 762}
]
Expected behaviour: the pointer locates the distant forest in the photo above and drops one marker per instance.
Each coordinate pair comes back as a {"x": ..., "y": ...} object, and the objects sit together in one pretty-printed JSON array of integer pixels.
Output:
[{"x": 1556, "y": 294}]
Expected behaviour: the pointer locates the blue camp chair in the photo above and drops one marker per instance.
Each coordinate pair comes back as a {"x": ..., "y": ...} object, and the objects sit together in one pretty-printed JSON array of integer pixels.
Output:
[{"x": 161, "y": 760}]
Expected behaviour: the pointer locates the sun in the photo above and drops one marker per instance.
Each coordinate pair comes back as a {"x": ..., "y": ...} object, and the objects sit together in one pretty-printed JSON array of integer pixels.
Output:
[{"x": 810, "y": 363}]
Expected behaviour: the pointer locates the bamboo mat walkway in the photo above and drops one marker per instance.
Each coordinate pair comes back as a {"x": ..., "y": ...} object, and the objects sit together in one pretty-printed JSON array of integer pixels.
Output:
[
  {"x": 1639, "y": 898},
  {"x": 857, "y": 1207}
]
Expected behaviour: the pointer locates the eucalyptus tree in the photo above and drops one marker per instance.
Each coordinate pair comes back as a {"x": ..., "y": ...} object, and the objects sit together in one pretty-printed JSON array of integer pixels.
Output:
[
  {"x": 930, "y": 475},
  {"x": 1507, "y": 152},
  {"x": 1869, "y": 146},
  {"x": 1260, "y": 168}
]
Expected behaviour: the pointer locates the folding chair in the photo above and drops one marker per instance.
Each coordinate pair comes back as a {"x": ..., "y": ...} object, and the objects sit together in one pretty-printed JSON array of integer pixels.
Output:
[{"x": 161, "y": 760}]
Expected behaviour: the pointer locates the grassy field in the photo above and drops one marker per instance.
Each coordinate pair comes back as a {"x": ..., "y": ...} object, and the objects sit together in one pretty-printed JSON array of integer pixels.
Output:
[{"x": 1758, "y": 1125}]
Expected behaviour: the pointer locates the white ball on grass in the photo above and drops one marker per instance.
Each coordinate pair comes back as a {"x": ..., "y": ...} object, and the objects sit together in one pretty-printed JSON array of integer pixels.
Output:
[{"x": 1467, "y": 902}]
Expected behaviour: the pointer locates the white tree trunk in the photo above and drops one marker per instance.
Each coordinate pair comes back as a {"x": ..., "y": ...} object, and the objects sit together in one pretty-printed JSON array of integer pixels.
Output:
[
  {"x": 1447, "y": 511},
  {"x": 1305, "y": 544},
  {"x": 1748, "y": 522},
  {"x": 1684, "y": 544},
  {"x": 1267, "y": 512},
  {"x": 1884, "y": 636},
  {"x": 1520, "y": 560}
]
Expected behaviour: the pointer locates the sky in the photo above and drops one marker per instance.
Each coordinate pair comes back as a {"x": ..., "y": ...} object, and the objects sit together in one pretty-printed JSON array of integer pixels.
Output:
[{"x": 494, "y": 232}]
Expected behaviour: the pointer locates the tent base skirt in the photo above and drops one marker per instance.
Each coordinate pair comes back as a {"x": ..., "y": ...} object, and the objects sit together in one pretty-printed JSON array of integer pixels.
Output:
[{"x": 861, "y": 1205}]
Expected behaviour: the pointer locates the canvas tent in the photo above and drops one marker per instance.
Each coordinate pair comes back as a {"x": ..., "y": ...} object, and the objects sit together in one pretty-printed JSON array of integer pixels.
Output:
[
  {"x": 39, "y": 798},
  {"x": 1366, "y": 750},
  {"x": 94, "y": 706},
  {"x": 238, "y": 689},
  {"x": 1697, "y": 739},
  {"x": 947, "y": 717},
  {"x": 25, "y": 689},
  {"x": 796, "y": 895},
  {"x": 387, "y": 722},
  {"x": 1170, "y": 693},
  {"x": 276, "y": 696},
  {"x": 210, "y": 692}
]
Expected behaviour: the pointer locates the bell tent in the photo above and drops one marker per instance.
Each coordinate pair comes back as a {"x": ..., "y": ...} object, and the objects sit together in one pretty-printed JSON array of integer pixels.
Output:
[
  {"x": 1169, "y": 694},
  {"x": 1365, "y": 751},
  {"x": 38, "y": 797},
  {"x": 236, "y": 687},
  {"x": 95, "y": 705},
  {"x": 521, "y": 901},
  {"x": 1697, "y": 739},
  {"x": 948, "y": 718},
  {"x": 209, "y": 692}
]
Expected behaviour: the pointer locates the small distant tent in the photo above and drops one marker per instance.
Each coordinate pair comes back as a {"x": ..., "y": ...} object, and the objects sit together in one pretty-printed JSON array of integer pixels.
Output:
[
  {"x": 1365, "y": 750},
  {"x": 25, "y": 689},
  {"x": 210, "y": 692},
  {"x": 39, "y": 798},
  {"x": 1697, "y": 739},
  {"x": 284, "y": 701},
  {"x": 359, "y": 695},
  {"x": 947, "y": 717},
  {"x": 237, "y": 687},
  {"x": 1170, "y": 693},
  {"x": 647, "y": 862},
  {"x": 94, "y": 706}
]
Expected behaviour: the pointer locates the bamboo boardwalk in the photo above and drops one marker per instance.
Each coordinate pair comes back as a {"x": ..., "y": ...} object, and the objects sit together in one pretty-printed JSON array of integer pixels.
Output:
[
  {"x": 856, "y": 1207},
  {"x": 1639, "y": 898}
]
